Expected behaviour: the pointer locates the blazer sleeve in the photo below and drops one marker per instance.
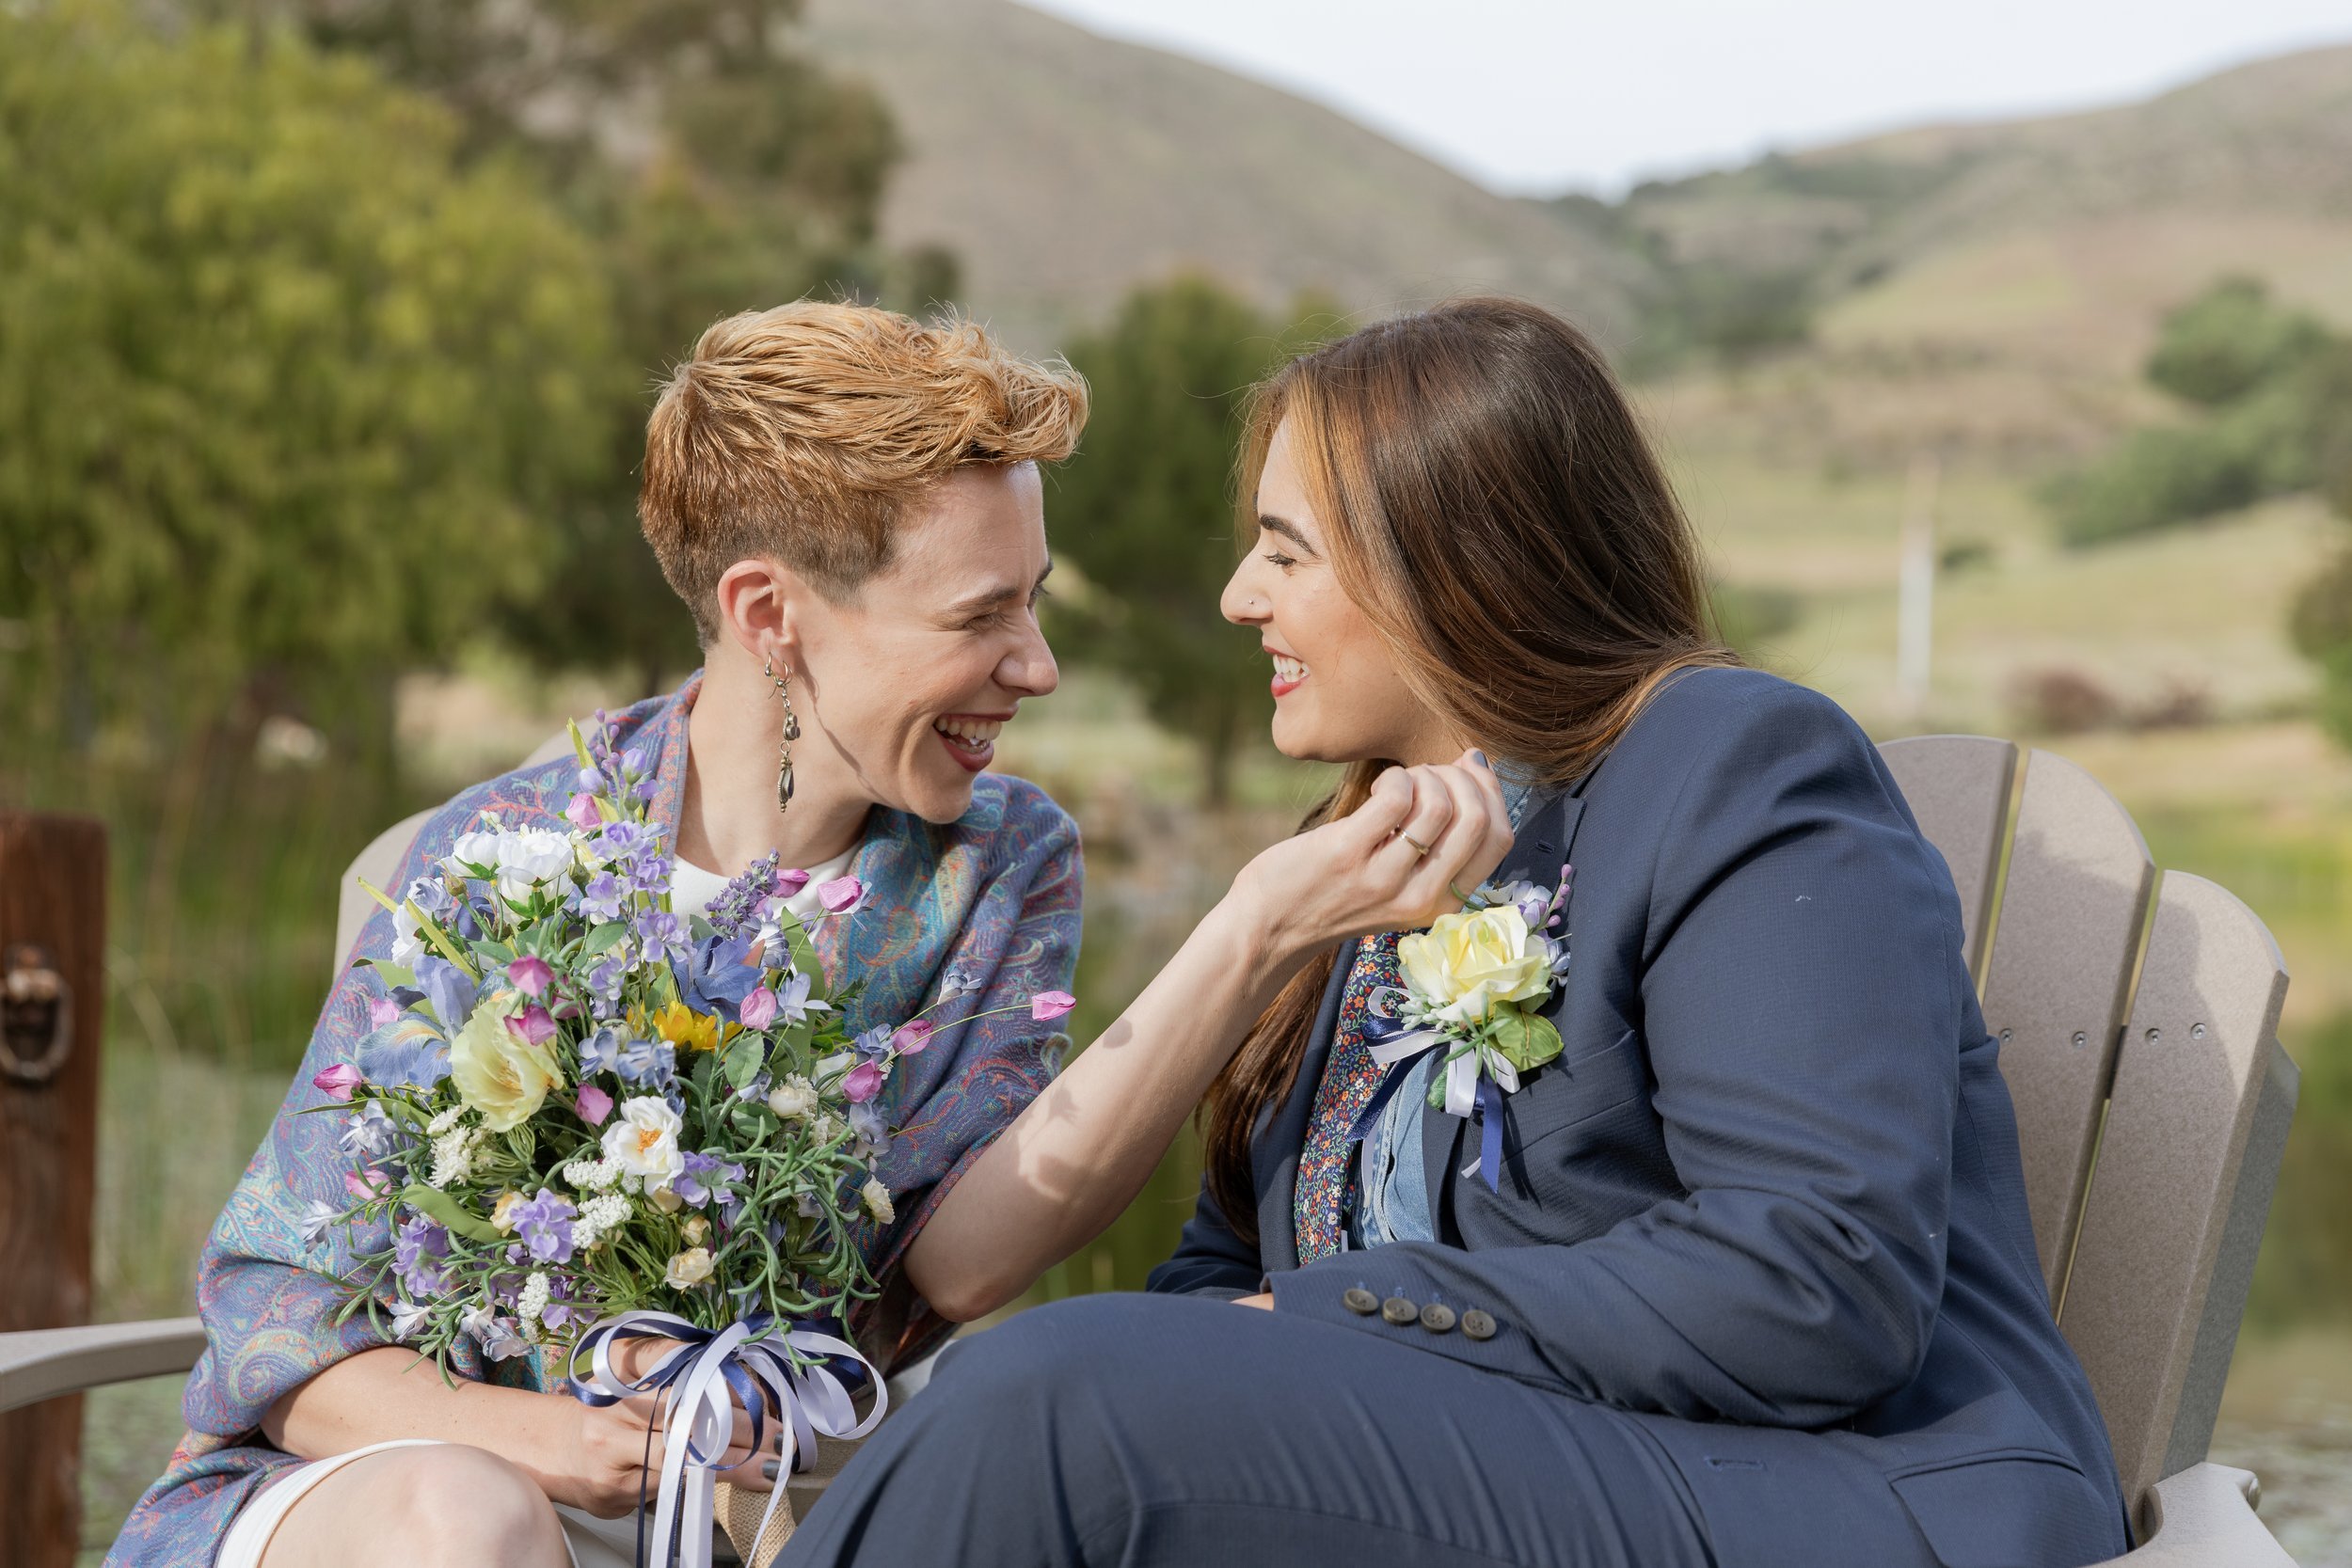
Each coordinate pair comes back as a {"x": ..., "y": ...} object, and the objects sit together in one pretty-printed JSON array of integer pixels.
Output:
[
  {"x": 1799, "y": 995},
  {"x": 1210, "y": 1259}
]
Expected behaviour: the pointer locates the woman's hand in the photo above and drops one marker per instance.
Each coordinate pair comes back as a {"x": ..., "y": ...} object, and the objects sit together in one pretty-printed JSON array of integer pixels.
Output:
[
  {"x": 597, "y": 1459},
  {"x": 1425, "y": 837}
]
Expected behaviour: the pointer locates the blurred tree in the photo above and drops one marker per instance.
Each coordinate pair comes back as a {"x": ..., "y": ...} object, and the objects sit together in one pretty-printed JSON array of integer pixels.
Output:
[
  {"x": 717, "y": 170},
  {"x": 2275, "y": 385},
  {"x": 283, "y": 389},
  {"x": 1146, "y": 510}
]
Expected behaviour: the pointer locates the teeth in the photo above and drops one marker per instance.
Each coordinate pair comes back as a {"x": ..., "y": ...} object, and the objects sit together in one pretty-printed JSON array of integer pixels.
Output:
[
  {"x": 1288, "y": 669},
  {"x": 974, "y": 733}
]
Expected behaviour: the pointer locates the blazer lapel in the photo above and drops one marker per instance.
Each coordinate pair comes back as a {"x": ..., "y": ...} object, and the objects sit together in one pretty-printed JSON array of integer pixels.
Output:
[
  {"x": 1275, "y": 1151},
  {"x": 1547, "y": 835}
]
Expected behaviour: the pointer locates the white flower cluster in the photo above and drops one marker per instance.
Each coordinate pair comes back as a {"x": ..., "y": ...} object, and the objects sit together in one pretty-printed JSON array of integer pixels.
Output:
[
  {"x": 597, "y": 1216},
  {"x": 522, "y": 862},
  {"x": 533, "y": 1300},
  {"x": 454, "y": 1153},
  {"x": 592, "y": 1176}
]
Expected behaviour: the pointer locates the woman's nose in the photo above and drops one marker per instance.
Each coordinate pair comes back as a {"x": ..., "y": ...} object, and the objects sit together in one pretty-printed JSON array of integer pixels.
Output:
[
  {"x": 1241, "y": 602},
  {"x": 1031, "y": 668}
]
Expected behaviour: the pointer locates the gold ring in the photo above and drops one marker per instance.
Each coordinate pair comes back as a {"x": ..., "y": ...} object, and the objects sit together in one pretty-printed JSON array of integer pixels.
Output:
[{"x": 1414, "y": 842}]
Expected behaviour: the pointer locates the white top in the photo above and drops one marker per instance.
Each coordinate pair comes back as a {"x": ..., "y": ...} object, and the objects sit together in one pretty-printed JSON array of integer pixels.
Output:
[{"x": 691, "y": 888}]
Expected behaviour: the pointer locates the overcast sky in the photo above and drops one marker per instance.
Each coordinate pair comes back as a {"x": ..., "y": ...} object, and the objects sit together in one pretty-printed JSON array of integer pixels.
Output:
[{"x": 1539, "y": 96}]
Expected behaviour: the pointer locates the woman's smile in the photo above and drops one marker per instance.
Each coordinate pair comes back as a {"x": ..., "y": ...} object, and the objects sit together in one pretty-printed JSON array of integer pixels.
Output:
[
  {"x": 971, "y": 738},
  {"x": 1288, "y": 673}
]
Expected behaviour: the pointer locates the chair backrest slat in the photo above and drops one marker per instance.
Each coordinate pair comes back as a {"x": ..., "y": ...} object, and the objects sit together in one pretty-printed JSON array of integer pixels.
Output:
[
  {"x": 2195, "y": 1128},
  {"x": 1957, "y": 788},
  {"x": 379, "y": 862},
  {"x": 2057, "y": 983}
]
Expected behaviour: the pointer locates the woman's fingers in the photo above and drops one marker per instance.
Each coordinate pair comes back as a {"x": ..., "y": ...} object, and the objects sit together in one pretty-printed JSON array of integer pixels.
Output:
[
  {"x": 1435, "y": 807},
  {"x": 1456, "y": 862}
]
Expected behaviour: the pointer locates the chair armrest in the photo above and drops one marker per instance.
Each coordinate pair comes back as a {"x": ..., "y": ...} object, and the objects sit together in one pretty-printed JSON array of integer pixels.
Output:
[
  {"x": 2204, "y": 1518},
  {"x": 42, "y": 1363}
]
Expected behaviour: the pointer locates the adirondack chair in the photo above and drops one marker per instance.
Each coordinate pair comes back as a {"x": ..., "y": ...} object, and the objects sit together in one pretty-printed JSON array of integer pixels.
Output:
[{"x": 2138, "y": 1024}]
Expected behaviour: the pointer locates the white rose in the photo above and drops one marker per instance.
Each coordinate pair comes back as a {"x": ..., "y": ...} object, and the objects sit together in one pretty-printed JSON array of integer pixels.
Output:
[
  {"x": 877, "y": 1198},
  {"x": 408, "y": 944},
  {"x": 528, "y": 860},
  {"x": 643, "y": 1141},
  {"x": 688, "y": 1269},
  {"x": 476, "y": 849},
  {"x": 1467, "y": 962},
  {"x": 793, "y": 1098}
]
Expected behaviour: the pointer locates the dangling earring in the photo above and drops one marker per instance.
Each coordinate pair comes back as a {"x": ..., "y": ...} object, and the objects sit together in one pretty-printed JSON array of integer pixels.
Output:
[{"x": 791, "y": 733}]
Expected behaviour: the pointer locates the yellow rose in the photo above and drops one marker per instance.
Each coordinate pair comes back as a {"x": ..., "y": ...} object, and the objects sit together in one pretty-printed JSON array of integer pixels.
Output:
[
  {"x": 1465, "y": 963},
  {"x": 498, "y": 1072},
  {"x": 688, "y": 1269}
]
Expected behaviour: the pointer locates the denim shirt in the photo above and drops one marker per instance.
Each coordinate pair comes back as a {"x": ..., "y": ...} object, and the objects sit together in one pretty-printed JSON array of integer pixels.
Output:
[{"x": 1390, "y": 1199}]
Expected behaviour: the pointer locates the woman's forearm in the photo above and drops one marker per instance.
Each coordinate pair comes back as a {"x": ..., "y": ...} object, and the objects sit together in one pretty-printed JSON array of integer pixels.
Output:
[
  {"x": 387, "y": 1393},
  {"x": 1074, "y": 1160}
]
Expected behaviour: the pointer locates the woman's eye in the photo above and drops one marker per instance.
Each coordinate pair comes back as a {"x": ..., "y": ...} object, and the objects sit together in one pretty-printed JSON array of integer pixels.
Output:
[{"x": 1286, "y": 562}]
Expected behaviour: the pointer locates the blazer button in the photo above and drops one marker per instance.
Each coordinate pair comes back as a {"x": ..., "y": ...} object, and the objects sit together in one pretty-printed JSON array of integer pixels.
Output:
[
  {"x": 1397, "y": 1309},
  {"x": 1477, "y": 1325},
  {"x": 1360, "y": 1300},
  {"x": 1437, "y": 1317}
]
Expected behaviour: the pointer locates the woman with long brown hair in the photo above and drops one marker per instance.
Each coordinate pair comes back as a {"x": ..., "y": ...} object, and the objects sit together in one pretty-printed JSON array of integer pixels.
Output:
[{"x": 1726, "y": 1259}]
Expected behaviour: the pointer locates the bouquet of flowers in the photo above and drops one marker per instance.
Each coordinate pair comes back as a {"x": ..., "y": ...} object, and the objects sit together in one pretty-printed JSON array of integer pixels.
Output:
[{"x": 582, "y": 1116}]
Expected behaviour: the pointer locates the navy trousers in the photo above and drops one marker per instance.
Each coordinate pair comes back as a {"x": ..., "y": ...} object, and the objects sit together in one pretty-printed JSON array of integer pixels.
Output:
[{"x": 1144, "y": 1430}]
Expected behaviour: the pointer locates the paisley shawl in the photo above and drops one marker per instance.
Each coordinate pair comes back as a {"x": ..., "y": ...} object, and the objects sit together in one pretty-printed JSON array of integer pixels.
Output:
[{"x": 993, "y": 897}]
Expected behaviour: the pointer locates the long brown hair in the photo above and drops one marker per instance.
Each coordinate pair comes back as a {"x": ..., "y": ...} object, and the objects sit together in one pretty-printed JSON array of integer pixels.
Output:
[{"x": 1492, "y": 504}]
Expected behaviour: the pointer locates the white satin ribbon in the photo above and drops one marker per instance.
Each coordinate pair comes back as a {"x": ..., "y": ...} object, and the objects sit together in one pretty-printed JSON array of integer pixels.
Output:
[
  {"x": 1461, "y": 1073},
  {"x": 698, "y": 1410}
]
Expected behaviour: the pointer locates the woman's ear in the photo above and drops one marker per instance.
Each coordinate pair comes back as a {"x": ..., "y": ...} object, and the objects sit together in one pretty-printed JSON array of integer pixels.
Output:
[{"x": 759, "y": 611}]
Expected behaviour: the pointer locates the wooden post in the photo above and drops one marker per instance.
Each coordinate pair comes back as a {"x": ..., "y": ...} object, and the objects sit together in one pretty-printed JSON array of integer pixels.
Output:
[
  {"x": 53, "y": 947},
  {"x": 1914, "y": 605}
]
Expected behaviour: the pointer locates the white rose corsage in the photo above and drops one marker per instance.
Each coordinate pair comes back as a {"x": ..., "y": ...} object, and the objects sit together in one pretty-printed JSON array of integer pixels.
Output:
[{"x": 1473, "y": 983}]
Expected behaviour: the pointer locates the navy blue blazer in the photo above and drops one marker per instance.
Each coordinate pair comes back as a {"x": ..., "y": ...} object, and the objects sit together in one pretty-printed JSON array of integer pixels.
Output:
[{"x": 1770, "y": 1192}]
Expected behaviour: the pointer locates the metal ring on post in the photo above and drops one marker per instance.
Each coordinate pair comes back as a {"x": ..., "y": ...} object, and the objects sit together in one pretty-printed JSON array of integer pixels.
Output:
[{"x": 29, "y": 985}]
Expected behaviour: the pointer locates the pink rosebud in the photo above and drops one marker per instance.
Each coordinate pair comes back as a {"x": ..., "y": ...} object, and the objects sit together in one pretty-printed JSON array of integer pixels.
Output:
[
  {"x": 911, "y": 1037},
  {"x": 790, "y": 882},
  {"x": 593, "y": 1104},
  {"x": 532, "y": 977},
  {"x": 863, "y": 1082},
  {"x": 337, "y": 1081},
  {"x": 365, "y": 1185},
  {"x": 760, "y": 1008},
  {"x": 583, "y": 812},
  {"x": 841, "y": 894},
  {"x": 381, "y": 1011},
  {"x": 533, "y": 1027},
  {"x": 1047, "y": 1004}
]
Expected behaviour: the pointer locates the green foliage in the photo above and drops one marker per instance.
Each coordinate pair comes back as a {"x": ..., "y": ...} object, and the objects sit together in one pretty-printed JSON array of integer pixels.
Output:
[
  {"x": 2231, "y": 341},
  {"x": 1145, "y": 510},
  {"x": 714, "y": 168},
  {"x": 283, "y": 388},
  {"x": 2276, "y": 385},
  {"x": 1750, "y": 618}
]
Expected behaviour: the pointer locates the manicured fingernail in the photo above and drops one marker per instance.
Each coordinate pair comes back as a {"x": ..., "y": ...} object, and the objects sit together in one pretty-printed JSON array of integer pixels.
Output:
[
  {"x": 1480, "y": 757},
  {"x": 770, "y": 1467}
]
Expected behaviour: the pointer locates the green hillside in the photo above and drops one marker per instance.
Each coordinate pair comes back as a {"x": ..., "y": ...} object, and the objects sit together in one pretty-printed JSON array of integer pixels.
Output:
[{"x": 1063, "y": 167}]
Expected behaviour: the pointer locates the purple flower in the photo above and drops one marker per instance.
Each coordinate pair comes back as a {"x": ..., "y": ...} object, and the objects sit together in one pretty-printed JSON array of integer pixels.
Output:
[
  {"x": 841, "y": 896},
  {"x": 874, "y": 1043},
  {"x": 407, "y": 1052},
  {"x": 600, "y": 900},
  {"x": 790, "y": 882},
  {"x": 369, "y": 1132},
  {"x": 757, "y": 1009},
  {"x": 417, "y": 1248},
  {"x": 593, "y": 1104},
  {"x": 581, "y": 812},
  {"x": 451, "y": 989},
  {"x": 382, "y": 1011},
  {"x": 736, "y": 909},
  {"x": 1049, "y": 1004},
  {"x": 634, "y": 763},
  {"x": 663, "y": 933},
  {"x": 792, "y": 1002},
  {"x": 432, "y": 895},
  {"x": 544, "y": 1225},
  {"x": 911, "y": 1037},
  {"x": 647, "y": 1061},
  {"x": 961, "y": 980},
  {"x": 337, "y": 1081},
  {"x": 622, "y": 840},
  {"x": 717, "y": 974},
  {"x": 862, "y": 1084},
  {"x": 873, "y": 1131},
  {"x": 689, "y": 1184},
  {"x": 531, "y": 976},
  {"x": 533, "y": 1027}
]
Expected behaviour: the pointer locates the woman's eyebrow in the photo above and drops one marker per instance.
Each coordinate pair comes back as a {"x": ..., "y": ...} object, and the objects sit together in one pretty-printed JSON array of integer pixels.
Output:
[
  {"x": 1288, "y": 529},
  {"x": 987, "y": 598}
]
